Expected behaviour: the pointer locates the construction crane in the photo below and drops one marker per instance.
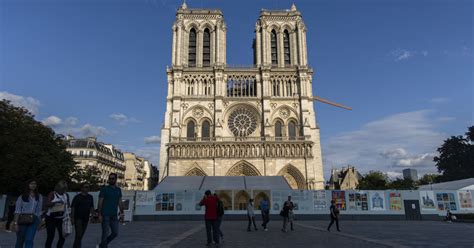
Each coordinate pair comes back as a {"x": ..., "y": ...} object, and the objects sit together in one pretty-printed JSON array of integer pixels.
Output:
[{"x": 319, "y": 99}]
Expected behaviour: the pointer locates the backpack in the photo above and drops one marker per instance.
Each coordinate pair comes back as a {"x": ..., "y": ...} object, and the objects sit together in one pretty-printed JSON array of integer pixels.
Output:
[{"x": 220, "y": 208}]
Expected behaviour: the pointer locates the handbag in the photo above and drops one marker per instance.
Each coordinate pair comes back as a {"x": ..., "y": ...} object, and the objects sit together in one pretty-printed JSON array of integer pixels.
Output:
[
  {"x": 67, "y": 227},
  {"x": 25, "y": 219}
]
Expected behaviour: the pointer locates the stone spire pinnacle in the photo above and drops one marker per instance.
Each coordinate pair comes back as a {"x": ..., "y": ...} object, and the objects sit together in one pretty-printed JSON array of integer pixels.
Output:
[
  {"x": 293, "y": 7},
  {"x": 184, "y": 5}
]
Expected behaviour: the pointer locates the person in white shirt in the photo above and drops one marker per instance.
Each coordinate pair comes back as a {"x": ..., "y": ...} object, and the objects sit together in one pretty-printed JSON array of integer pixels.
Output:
[{"x": 251, "y": 215}]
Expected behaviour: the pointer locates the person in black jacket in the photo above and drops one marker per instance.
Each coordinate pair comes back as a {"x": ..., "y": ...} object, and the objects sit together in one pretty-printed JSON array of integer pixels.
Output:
[
  {"x": 334, "y": 213},
  {"x": 220, "y": 214}
]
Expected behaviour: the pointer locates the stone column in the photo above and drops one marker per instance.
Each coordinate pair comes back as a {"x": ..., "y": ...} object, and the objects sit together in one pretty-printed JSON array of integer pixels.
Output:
[
  {"x": 173, "y": 49},
  {"x": 213, "y": 47},
  {"x": 305, "y": 51},
  {"x": 179, "y": 46},
  {"x": 199, "y": 49},
  {"x": 300, "y": 46},
  {"x": 294, "y": 48},
  {"x": 280, "y": 47},
  {"x": 258, "y": 46}
]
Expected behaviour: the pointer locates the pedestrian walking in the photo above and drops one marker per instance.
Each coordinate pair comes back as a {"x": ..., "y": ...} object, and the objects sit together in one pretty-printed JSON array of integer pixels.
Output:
[
  {"x": 287, "y": 214},
  {"x": 27, "y": 215},
  {"x": 110, "y": 200},
  {"x": 334, "y": 214},
  {"x": 57, "y": 212},
  {"x": 251, "y": 215},
  {"x": 10, "y": 216},
  {"x": 81, "y": 208},
  {"x": 220, "y": 215},
  {"x": 265, "y": 209},
  {"x": 210, "y": 217}
]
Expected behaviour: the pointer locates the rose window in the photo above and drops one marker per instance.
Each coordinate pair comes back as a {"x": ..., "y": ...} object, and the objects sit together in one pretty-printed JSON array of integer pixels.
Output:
[{"x": 242, "y": 122}]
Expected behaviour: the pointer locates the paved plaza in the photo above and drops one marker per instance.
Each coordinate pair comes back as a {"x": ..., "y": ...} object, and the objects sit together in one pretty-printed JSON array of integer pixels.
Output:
[{"x": 306, "y": 234}]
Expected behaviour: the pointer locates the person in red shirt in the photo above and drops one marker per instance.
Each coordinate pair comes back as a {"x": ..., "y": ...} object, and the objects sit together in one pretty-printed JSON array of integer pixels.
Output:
[{"x": 210, "y": 217}]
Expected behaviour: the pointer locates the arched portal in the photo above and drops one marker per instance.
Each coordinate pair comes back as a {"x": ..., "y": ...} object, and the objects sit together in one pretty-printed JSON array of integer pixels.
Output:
[
  {"x": 225, "y": 198},
  {"x": 243, "y": 168},
  {"x": 241, "y": 200},
  {"x": 293, "y": 176},
  {"x": 259, "y": 197},
  {"x": 196, "y": 172}
]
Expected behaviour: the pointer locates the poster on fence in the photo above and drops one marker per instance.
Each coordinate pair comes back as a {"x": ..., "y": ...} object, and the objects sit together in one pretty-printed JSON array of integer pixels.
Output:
[
  {"x": 377, "y": 200},
  {"x": 358, "y": 201},
  {"x": 395, "y": 201},
  {"x": 465, "y": 200},
  {"x": 145, "y": 198},
  {"x": 340, "y": 198},
  {"x": 164, "y": 202},
  {"x": 446, "y": 201},
  {"x": 320, "y": 203},
  {"x": 427, "y": 200}
]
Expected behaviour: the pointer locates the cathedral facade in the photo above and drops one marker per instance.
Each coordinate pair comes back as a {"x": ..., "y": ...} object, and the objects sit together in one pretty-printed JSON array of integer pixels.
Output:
[{"x": 258, "y": 120}]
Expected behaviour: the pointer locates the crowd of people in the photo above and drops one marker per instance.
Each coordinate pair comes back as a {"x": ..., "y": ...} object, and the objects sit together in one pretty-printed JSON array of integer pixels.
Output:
[{"x": 58, "y": 214}]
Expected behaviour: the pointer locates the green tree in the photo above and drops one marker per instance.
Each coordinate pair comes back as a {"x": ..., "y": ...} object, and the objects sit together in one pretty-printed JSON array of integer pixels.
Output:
[
  {"x": 456, "y": 157},
  {"x": 373, "y": 180},
  {"x": 89, "y": 174},
  {"x": 402, "y": 184},
  {"x": 429, "y": 179},
  {"x": 30, "y": 150}
]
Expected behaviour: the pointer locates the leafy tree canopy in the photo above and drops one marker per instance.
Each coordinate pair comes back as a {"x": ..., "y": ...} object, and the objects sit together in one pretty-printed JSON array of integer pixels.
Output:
[{"x": 456, "y": 157}]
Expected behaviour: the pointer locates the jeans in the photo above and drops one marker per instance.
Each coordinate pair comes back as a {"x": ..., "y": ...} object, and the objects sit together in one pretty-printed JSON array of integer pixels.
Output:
[
  {"x": 26, "y": 234},
  {"x": 53, "y": 224},
  {"x": 111, "y": 222},
  {"x": 332, "y": 221},
  {"x": 265, "y": 218},
  {"x": 251, "y": 219},
  {"x": 215, "y": 232},
  {"x": 218, "y": 223},
  {"x": 80, "y": 226}
]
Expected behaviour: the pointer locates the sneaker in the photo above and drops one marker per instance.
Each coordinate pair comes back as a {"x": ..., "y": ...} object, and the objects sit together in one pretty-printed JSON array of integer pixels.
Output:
[
  {"x": 338, "y": 230},
  {"x": 283, "y": 230},
  {"x": 265, "y": 229},
  {"x": 8, "y": 231}
]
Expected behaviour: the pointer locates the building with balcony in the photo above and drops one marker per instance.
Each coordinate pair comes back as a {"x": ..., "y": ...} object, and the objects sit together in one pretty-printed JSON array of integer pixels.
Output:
[
  {"x": 135, "y": 172},
  {"x": 256, "y": 120},
  {"x": 105, "y": 157}
]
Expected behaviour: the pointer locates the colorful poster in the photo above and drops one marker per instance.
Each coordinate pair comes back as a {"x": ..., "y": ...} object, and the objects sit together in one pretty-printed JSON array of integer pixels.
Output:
[
  {"x": 395, "y": 201},
  {"x": 164, "y": 202},
  {"x": 340, "y": 198},
  {"x": 144, "y": 198},
  {"x": 427, "y": 200},
  {"x": 358, "y": 201},
  {"x": 377, "y": 200},
  {"x": 465, "y": 199},
  {"x": 446, "y": 201},
  {"x": 320, "y": 203}
]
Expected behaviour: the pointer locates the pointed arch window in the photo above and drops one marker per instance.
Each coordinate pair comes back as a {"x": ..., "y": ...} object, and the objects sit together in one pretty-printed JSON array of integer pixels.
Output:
[
  {"x": 286, "y": 47},
  {"x": 273, "y": 45},
  {"x": 206, "y": 52},
  {"x": 278, "y": 130},
  {"x": 192, "y": 48},
  {"x": 206, "y": 130},
  {"x": 190, "y": 130},
  {"x": 292, "y": 130}
]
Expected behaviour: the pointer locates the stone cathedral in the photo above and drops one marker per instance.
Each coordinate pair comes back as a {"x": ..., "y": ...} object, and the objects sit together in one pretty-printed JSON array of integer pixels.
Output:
[{"x": 224, "y": 120}]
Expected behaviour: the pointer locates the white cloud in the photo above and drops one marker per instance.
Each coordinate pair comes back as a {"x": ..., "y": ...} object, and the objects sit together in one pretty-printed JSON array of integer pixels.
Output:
[
  {"x": 52, "y": 121},
  {"x": 122, "y": 119},
  {"x": 30, "y": 103},
  {"x": 155, "y": 139},
  {"x": 89, "y": 130},
  {"x": 70, "y": 121},
  {"x": 401, "y": 54},
  {"x": 390, "y": 144},
  {"x": 439, "y": 100}
]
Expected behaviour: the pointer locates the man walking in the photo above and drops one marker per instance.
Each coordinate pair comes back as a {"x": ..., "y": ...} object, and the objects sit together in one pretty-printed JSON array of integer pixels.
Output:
[
  {"x": 251, "y": 216},
  {"x": 265, "y": 209},
  {"x": 82, "y": 206},
  {"x": 288, "y": 214},
  {"x": 110, "y": 198},
  {"x": 210, "y": 216},
  {"x": 334, "y": 215}
]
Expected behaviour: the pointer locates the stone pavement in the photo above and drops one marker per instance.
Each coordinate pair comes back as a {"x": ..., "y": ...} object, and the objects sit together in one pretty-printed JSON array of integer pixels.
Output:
[{"x": 306, "y": 234}]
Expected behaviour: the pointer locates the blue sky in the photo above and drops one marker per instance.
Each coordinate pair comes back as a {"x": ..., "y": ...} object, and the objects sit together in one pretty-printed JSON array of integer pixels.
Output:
[{"x": 97, "y": 67}]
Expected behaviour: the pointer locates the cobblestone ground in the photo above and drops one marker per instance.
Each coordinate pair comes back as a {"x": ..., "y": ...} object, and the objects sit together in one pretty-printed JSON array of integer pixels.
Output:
[{"x": 306, "y": 234}]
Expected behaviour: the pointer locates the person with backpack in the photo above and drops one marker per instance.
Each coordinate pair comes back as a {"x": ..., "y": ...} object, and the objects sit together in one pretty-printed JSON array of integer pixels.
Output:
[
  {"x": 210, "y": 217},
  {"x": 58, "y": 205},
  {"x": 265, "y": 209},
  {"x": 287, "y": 214},
  {"x": 334, "y": 214},
  {"x": 251, "y": 215},
  {"x": 220, "y": 214},
  {"x": 27, "y": 215}
]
